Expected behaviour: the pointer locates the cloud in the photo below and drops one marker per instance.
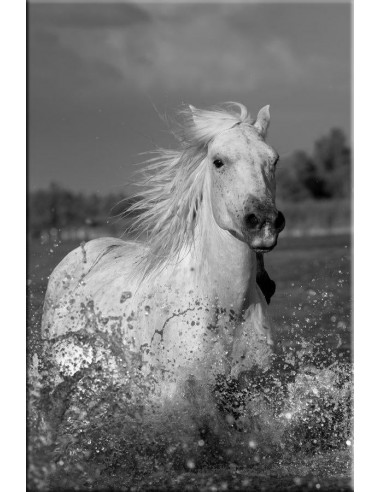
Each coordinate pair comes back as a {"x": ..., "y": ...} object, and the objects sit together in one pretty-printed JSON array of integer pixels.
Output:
[
  {"x": 87, "y": 16},
  {"x": 90, "y": 50},
  {"x": 60, "y": 68},
  {"x": 179, "y": 48}
]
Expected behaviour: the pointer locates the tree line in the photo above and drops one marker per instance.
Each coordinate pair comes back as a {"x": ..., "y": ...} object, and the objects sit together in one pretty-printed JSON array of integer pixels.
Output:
[
  {"x": 325, "y": 174},
  {"x": 59, "y": 208}
]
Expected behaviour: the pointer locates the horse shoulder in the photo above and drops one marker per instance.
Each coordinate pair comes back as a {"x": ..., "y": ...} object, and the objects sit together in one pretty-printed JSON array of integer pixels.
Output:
[{"x": 65, "y": 288}]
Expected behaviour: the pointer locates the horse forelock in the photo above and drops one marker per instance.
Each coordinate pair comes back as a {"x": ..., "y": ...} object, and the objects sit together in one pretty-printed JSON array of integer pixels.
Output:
[
  {"x": 172, "y": 182},
  {"x": 203, "y": 125}
]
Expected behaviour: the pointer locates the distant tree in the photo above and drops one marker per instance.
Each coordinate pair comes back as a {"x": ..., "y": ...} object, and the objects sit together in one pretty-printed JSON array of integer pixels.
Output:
[
  {"x": 64, "y": 207},
  {"x": 39, "y": 212},
  {"x": 307, "y": 173},
  {"x": 292, "y": 175},
  {"x": 332, "y": 158},
  {"x": 325, "y": 174},
  {"x": 92, "y": 209}
]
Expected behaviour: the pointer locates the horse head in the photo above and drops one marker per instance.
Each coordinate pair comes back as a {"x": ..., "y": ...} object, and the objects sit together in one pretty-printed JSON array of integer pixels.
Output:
[{"x": 242, "y": 183}]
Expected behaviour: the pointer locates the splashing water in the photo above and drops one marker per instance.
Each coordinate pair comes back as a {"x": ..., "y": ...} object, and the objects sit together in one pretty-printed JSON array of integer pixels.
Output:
[
  {"x": 289, "y": 428},
  {"x": 94, "y": 428}
]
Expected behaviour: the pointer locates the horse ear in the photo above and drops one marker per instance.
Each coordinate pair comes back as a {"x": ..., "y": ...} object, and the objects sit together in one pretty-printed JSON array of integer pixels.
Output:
[{"x": 263, "y": 121}]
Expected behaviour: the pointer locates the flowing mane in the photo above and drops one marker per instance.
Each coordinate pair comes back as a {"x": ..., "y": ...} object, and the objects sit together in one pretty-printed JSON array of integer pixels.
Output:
[{"x": 172, "y": 184}]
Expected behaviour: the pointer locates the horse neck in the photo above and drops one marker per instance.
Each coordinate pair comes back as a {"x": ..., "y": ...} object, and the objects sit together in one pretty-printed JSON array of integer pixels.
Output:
[{"x": 224, "y": 266}]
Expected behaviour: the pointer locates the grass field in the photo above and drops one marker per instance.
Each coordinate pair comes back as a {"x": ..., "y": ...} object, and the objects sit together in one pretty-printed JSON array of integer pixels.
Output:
[{"x": 312, "y": 306}]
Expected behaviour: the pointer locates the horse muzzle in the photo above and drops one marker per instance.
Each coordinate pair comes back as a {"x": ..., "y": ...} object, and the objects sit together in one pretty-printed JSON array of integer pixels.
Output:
[{"x": 261, "y": 231}]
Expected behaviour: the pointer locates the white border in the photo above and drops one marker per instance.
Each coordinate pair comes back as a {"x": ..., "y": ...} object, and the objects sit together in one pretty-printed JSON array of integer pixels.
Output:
[{"x": 12, "y": 254}]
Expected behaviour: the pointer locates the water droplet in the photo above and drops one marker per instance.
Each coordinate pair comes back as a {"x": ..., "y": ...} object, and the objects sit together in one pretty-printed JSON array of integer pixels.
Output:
[{"x": 125, "y": 295}]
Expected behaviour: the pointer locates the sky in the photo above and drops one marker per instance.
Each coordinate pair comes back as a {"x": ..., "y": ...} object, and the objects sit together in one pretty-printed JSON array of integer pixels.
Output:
[{"x": 101, "y": 74}]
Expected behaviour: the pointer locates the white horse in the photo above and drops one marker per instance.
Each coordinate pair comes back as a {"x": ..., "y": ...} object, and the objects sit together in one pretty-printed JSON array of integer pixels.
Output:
[{"x": 185, "y": 301}]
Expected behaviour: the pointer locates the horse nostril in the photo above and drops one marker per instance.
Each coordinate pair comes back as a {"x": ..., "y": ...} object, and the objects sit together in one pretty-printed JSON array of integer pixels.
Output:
[
  {"x": 251, "y": 221},
  {"x": 280, "y": 221}
]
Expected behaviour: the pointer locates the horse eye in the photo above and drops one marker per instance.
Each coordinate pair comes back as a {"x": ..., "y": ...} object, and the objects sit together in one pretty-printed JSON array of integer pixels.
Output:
[{"x": 218, "y": 163}]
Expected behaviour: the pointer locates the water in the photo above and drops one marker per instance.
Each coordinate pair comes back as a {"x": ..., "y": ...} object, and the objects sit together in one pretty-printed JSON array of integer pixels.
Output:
[
  {"x": 95, "y": 429},
  {"x": 287, "y": 429}
]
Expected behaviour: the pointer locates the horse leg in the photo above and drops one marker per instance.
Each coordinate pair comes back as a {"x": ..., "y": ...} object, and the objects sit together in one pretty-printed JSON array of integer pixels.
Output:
[
  {"x": 253, "y": 341},
  {"x": 265, "y": 283}
]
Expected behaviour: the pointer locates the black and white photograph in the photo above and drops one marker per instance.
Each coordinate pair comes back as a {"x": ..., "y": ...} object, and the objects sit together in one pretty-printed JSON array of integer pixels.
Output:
[{"x": 189, "y": 246}]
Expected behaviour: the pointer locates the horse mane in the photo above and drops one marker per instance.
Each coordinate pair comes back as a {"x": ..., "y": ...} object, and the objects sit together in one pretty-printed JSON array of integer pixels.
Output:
[{"x": 171, "y": 183}]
